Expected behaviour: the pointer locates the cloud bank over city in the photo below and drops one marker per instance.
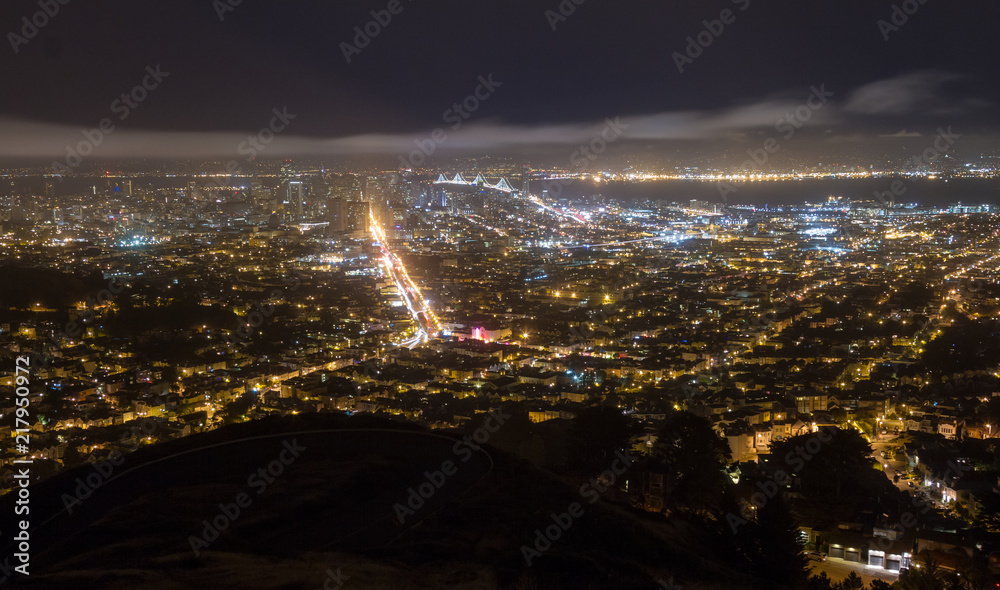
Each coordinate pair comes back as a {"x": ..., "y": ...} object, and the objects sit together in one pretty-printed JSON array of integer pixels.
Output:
[{"x": 818, "y": 113}]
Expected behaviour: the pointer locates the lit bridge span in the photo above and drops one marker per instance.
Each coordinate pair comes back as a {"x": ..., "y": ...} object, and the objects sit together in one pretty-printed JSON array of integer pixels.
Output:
[{"x": 502, "y": 185}]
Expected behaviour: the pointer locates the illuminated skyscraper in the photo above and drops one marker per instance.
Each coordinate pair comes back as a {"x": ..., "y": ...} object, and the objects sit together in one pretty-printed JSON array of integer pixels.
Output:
[
  {"x": 357, "y": 219},
  {"x": 336, "y": 214},
  {"x": 295, "y": 199}
]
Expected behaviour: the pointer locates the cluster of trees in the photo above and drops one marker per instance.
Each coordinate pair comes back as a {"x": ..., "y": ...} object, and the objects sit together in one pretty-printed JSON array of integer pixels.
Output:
[
  {"x": 929, "y": 576},
  {"x": 925, "y": 576},
  {"x": 693, "y": 460},
  {"x": 963, "y": 346},
  {"x": 852, "y": 582},
  {"x": 833, "y": 476}
]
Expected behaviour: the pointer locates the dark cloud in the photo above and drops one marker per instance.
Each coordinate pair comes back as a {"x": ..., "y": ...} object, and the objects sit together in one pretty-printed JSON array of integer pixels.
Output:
[
  {"x": 50, "y": 140},
  {"x": 908, "y": 93},
  {"x": 834, "y": 119},
  {"x": 605, "y": 60}
]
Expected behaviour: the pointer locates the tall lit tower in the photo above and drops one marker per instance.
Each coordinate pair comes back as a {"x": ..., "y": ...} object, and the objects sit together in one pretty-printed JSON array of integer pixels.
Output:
[{"x": 287, "y": 171}]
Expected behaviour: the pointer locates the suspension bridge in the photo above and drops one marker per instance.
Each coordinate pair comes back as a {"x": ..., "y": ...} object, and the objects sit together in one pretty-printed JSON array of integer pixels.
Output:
[{"x": 501, "y": 185}]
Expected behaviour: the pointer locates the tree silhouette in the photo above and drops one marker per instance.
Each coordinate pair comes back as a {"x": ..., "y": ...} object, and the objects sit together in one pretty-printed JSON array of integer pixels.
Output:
[
  {"x": 819, "y": 582},
  {"x": 835, "y": 475},
  {"x": 593, "y": 438},
  {"x": 776, "y": 547},
  {"x": 926, "y": 576},
  {"x": 72, "y": 457},
  {"x": 852, "y": 582},
  {"x": 693, "y": 456}
]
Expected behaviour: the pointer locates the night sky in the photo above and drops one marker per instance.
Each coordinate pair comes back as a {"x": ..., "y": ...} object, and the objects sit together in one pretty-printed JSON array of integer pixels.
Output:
[{"x": 606, "y": 59}]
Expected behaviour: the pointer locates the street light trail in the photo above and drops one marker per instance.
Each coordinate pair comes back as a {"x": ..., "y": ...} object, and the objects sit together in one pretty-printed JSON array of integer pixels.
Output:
[{"x": 421, "y": 312}]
